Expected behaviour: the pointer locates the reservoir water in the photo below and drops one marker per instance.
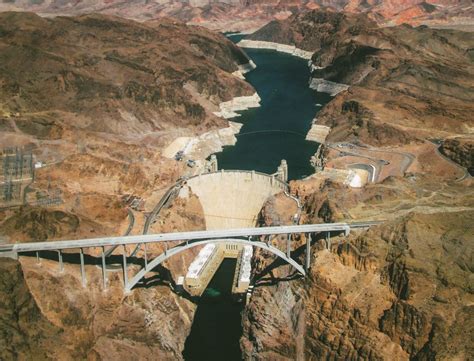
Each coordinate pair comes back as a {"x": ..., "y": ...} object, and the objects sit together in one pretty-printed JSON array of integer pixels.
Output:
[
  {"x": 278, "y": 128},
  {"x": 273, "y": 132}
]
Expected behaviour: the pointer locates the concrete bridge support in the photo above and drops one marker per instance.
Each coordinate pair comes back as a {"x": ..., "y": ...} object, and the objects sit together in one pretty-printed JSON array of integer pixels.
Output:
[
  {"x": 83, "y": 271},
  {"x": 125, "y": 269},
  {"x": 308, "y": 252},
  {"x": 60, "y": 260},
  {"x": 288, "y": 246},
  {"x": 104, "y": 270}
]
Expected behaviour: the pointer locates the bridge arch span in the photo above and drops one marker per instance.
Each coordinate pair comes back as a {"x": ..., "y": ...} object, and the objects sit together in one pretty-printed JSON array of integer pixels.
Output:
[{"x": 190, "y": 244}]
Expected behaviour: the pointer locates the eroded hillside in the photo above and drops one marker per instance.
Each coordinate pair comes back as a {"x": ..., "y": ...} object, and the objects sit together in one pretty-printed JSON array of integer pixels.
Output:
[
  {"x": 252, "y": 14},
  {"x": 406, "y": 83},
  {"x": 401, "y": 290},
  {"x": 97, "y": 98}
]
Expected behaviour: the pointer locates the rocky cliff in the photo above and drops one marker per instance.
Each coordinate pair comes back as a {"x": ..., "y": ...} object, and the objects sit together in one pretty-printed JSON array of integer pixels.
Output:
[
  {"x": 25, "y": 331},
  {"x": 399, "y": 291},
  {"x": 123, "y": 77},
  {"x": 46, "y": 314},
  {"x": 405, "y": 83},
  {"x": 460, "y": 150},
  {"x": 97, "y": 98}
]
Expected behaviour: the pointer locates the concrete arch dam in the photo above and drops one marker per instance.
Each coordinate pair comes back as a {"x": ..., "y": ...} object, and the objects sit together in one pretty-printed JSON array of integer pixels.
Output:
[
  {"x": 233, "y": 199},
  {"x": 230, "y": 200}
]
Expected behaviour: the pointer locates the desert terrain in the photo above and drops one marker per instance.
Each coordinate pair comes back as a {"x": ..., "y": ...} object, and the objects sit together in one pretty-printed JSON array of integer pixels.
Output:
[
  {"x": 250, "y": 15},
  {"x": 100, "y": 99}
]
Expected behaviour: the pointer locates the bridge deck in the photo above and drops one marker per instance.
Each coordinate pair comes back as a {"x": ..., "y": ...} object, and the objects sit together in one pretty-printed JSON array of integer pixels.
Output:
[{"x": 181, "y": 236}]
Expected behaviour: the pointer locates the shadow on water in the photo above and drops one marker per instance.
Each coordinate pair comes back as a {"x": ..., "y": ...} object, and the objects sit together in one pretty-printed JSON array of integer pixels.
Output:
[{"x": 217, "y": 327}]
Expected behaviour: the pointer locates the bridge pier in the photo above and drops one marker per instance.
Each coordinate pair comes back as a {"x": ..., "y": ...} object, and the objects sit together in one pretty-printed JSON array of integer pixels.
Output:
[
  {"x": 104, "y": 270},
  {"x": 125, "y": 273},
  {"x": 308, "y": 252},
  {"x": 145, "y": 254},
  {"x": 83, "y": 271},
  {"x": 328, "y": 241},
  {"x": 60, "y": 259},
  {"x": 288, "y": 246},
  {"x": 38, "y": 259}
]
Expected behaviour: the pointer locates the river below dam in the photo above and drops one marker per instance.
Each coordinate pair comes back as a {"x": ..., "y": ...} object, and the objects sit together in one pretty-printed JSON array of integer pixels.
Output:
[
  {"x": 270, "y": 133},
  {"x": 217, "y": 328}
]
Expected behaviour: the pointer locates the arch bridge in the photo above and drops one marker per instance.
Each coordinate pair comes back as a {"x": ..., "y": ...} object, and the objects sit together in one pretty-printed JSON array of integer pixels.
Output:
[{"x": 182, "y": 241}]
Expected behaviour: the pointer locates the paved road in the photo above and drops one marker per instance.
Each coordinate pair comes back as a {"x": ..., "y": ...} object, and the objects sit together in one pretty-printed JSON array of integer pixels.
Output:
[
  {"x": 170, "y": 194},
  {"x": 131, "y": 220},
  {"x": 406, "y": 163},
  {"x": 460, "y": 167},
  {"x": 182, "y": 236}
]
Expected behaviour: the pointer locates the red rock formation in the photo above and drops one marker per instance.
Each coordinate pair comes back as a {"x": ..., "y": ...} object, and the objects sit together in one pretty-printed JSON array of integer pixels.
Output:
[{"x": 252, "y": 14}]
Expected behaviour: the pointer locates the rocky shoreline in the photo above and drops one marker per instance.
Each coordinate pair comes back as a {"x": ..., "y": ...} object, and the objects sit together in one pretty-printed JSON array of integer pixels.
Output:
[
  {"x": 244, "y": 69},
  {"x": 327, "y": 86},
  {"x": 202, "y": 146},
  {"x": 318, "y": 133},
  {"x": 282, "y": 48},
  {"x": 228, "y": 109}
]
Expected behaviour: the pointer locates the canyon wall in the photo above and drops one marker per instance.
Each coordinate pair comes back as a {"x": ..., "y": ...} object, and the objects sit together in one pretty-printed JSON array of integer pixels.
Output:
[
  {"x": 387, "y": 293},
  {"x": 461, "y": 151},
  {"x": 97, "y": 98},
  {"x": 380, "y": 76},
  {"x": 399, "y": 290}
]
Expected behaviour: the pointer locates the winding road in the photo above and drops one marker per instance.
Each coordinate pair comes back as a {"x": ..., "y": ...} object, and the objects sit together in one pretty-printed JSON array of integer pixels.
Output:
[
  {"x": 405, "y": 164},
  {"x": 438, "y": 146}
]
